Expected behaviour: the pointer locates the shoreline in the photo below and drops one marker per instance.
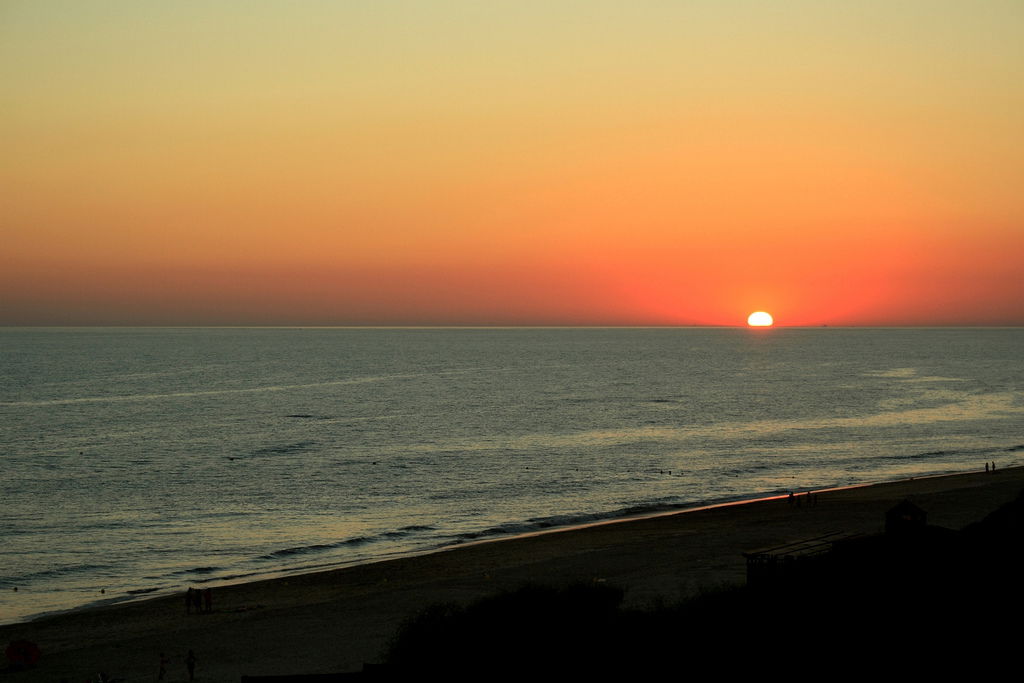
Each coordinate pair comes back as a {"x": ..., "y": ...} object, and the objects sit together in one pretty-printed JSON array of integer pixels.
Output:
[
  {"x": 335, "y": 619},
  {"x": 617, "y": 517}
]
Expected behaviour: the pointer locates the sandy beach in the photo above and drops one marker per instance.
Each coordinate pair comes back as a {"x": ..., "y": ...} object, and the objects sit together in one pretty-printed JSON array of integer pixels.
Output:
[{"x": 334, "y": 621}]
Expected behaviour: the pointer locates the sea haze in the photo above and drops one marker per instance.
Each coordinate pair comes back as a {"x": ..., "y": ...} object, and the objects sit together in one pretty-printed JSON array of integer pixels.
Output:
[{"x": 140, "y": 461}]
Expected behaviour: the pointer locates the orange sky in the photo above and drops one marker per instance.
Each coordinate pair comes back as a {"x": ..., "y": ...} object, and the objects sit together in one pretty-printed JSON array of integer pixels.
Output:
[{"x": 457, "y": 162}]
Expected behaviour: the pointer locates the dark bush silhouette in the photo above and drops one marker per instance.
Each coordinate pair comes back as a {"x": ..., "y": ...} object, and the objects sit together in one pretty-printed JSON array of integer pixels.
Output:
[{"x": 535, "y": 627}]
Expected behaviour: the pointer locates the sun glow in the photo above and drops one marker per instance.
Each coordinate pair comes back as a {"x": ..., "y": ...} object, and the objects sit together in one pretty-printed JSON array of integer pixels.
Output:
[{"x": 760, "y": 319}]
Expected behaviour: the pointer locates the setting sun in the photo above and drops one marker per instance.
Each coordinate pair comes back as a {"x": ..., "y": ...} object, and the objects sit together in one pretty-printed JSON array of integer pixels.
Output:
[{"x": 760, "y": 319}]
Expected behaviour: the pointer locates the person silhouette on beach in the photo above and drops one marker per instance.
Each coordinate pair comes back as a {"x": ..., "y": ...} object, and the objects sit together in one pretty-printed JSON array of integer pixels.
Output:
[
  {"x": 197, "y": 600},
  {"x": 188, "y": 601},
  {"x": 163, "y": 666},
  {"x": 190, "y": 662}
]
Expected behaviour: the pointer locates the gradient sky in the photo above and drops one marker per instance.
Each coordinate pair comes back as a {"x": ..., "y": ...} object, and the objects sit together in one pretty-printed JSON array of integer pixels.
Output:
[{"x": 463, "y": 162}]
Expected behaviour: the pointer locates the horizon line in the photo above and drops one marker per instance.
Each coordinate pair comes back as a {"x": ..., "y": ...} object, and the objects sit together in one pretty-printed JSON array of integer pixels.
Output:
[{"x": 503, "y": 327}]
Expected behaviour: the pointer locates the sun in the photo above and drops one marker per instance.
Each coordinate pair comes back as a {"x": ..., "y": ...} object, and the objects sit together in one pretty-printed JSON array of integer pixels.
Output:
[{"x": 760, "y": 319}]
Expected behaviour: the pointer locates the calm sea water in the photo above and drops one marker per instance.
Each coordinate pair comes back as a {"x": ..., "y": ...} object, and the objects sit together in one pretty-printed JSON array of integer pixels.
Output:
[{"x": 138, "y": 461}]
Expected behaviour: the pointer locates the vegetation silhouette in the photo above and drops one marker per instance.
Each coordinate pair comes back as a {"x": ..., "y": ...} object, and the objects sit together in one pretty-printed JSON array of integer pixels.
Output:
[{"x": 532, "y": 627}]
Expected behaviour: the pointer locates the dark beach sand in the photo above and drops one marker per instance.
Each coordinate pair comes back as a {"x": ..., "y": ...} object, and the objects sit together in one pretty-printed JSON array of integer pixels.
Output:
[{"x": 334, "y": 621}]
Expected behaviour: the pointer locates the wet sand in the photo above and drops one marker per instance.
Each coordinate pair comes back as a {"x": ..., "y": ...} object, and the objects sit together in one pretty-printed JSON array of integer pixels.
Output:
[{"x": 335, "y": 621}]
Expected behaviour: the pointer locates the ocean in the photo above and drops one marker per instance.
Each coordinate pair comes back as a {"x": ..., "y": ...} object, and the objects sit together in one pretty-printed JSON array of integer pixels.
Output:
[{"x": 140, "y": 461}]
